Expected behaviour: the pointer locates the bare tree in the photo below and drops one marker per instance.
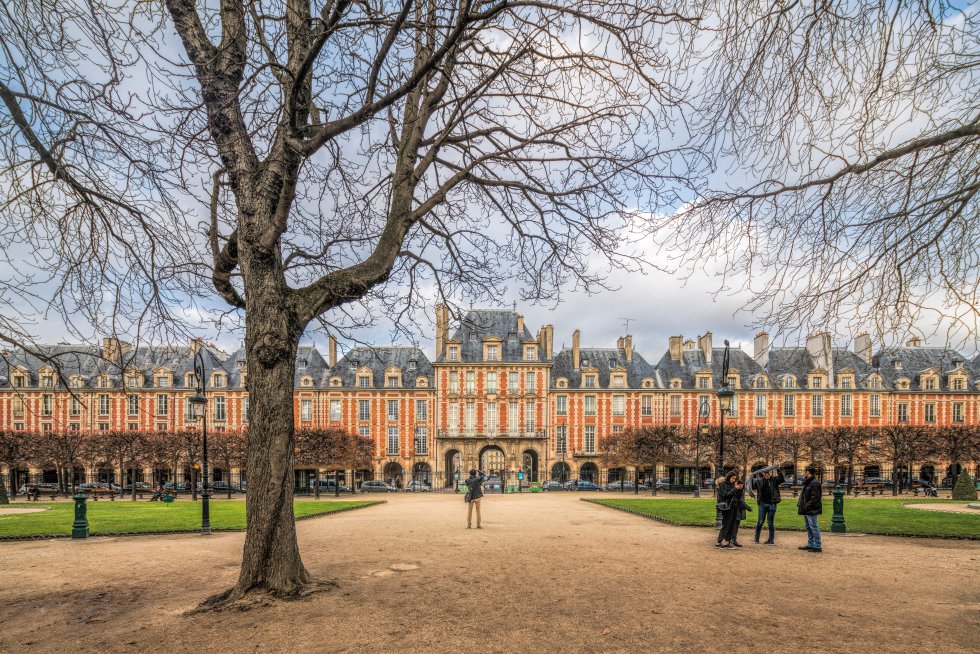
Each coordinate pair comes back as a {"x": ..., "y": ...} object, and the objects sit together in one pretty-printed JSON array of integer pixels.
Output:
[
  {"x": 228, "y": 448},
  {"x": 65, "y": 448},
  {"x": 852, "y": 138},
  {"x": 651, "y": 446},
  {"x": 958, "y": 444},
  {"x": 13, "y": 454},
  {"x": 903, "y": 444},
  {"x": 348, "y": 153}
]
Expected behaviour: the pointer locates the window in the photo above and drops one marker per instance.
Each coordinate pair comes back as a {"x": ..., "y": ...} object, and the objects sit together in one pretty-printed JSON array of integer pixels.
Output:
[
  {"x": 930, "y": 383},
  {"x": 365, "y": 432},
  {"x": 530, "y": 382},
  {"x": 874, "y": 405},
  {"x": 103, "y": 381},
  {"x": 898, "y": 365},
  {"x": 590, "y": 439},
  {"x": 161, "y": 426},
  {"x": 703, "y": 381},
  {"x": 246, "y": 408},
  {"x": 19, "y": 381},
  {"x": 103, "y": 405},
  {"x": 646, "y": 405},
  {"x": 561, "y": 439},
  {"x": 530, "y": 353},
  {"x": 530, "y": 418},
  {"x": 364, "y": 381},
  {"x": 512, "y": 382},
  {"x": 789, "y": 382},
  {"x": 335, "y": 410},
  {"x": 675, "y": 405},
  {"x": 421, "y": 410},
  {"x": 454, "y": 417},
  {"x": 470, "y": 382},
  {"x": 704, "y": 406},
  {"x": 163, "y": 405},
  {"x": 590, "y": 405},
  {"x": 491, "y": 382},
  {"x": 391, "y": 381},
  {"x": 733, "y": 410},
  {"x": 617, "y": 381},
  {"x": 959, "y": 384},
  {"x": 133, "y": 381},
  {"x": 74, "y": 426},
  {"x": 132, "y": 426},
  {"x": 789, "y": 406},
  {"x": 163, "y": 381},
  {"x": 492, "y": 425},
  {"x": 220, "y": 408},
  {"x": 218, "y": 380},
  {"x": 46, "y": 408},
  {"x": 363, "y": 410},
  {"x": 46, "y": 426},
  {"x": 732, "y": 381},
  {"x": 930, "y": 412},
  {"x": 392, "y": 440},
  {"x": 816, "y": 406},
  {"x": 590, "y": 381},
  {"x": 957, "y": 412},
  {"x": 76, "y": 406},
  {"x": 19, "y": 426},
  {"x": 875, "y": 382},
  {"x": 453, "y": 381},
  {"x": 392, "y": 409},
  {"x": 816, "y": 382},
  {"x": 561, "y": 405},
  {"x": 306, "y": 410},
  {"x": 760, "y": 406},
  {"x": 469, "y": 417},
  {"x": 454, "y": 353},
  {"x": 903, "y": 412},
  {"x": 512, "y": 417},
  {"x": 846, "y": 381},
  {"x": 619, "y": 405},
  {"x": 845, "y": 405},
  {"x": 493, "y": 353},
  {"x": 47, "y": 381},
  {"x": 617, "y": 429},
  {"x": 422, "y": 440}
]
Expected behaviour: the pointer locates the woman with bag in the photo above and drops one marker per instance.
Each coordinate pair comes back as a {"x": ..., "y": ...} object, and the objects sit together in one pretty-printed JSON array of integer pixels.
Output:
[
  {"x": 732, "y": 505},
  {"x": 474, "y": 493}
]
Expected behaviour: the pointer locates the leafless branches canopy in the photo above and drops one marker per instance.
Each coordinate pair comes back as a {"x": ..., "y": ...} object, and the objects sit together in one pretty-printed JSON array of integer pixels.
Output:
[{"x": 848, "y": 137}]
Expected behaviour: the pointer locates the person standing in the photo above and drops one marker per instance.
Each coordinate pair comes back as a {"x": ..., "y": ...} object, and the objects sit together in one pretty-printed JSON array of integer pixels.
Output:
[
  {"x": 474, "y": 493},
  {"x": 810, "y": 505},
  {"x": 767, "y": 488},
  {"x": 730, "y": 493}
]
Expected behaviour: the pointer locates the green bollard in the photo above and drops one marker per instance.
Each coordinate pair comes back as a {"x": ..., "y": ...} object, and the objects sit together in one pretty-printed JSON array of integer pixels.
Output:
[
  {"x": 79, "y": 528},
  {"x": 837, "y": 525}
]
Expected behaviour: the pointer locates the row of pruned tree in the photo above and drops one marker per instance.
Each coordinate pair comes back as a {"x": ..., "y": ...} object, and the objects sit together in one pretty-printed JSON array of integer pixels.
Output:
[
  {"x": 123, "y": 450},
  {"x": 835, "y": 449}
]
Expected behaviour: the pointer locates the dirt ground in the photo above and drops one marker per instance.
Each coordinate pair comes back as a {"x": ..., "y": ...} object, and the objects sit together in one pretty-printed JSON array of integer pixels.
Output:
[{"x": 548, "y": 573}]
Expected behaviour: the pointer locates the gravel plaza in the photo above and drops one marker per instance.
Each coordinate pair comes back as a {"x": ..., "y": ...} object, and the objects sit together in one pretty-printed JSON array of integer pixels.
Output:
[{"x": 547, "y": 573}]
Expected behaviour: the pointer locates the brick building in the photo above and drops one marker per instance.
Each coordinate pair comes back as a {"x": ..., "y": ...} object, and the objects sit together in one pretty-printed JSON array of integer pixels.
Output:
[{"x": 497, "y": 396}]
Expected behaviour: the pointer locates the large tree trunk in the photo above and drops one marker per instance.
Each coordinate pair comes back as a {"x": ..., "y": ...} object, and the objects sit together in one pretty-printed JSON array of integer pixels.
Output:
[{"x": 271, "y": 562}]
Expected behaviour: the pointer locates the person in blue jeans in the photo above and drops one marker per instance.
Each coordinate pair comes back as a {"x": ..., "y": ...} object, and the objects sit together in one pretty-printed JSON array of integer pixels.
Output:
[
  {"x": 810, "y": 506},
  {"x": 767, "y": 488}
]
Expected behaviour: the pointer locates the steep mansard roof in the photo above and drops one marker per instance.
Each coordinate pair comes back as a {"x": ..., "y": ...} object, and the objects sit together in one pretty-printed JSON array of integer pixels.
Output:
[
  {"x": 411, "y": 361},
  {"x": 479, "y": 324},
  {"x": 797, "y": 361},
  {"x": 909, "y": 363},
  {"x": 693, "y": 362},
  {"x": 603, "y": 360}
]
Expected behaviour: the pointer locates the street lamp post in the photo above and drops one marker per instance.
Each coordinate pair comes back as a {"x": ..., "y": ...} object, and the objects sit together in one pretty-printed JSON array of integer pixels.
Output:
[
  {"x": 199, "y": 411},
  {"x": 725, "y": 395},
  {"x": 702, "y": 413}
]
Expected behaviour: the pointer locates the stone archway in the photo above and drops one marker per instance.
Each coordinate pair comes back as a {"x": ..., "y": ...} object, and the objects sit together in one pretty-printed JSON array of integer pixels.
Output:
[
  {"x": 589, "y": 472},
  {"x": 393, "y": 473},
  {"x": 453, "y": 466},
  {"x": 422, "y": 472},
  {"x": 492, "y": 459},
  {"x": 529, "y": 464},
  {"x": 560, "y": 472}
]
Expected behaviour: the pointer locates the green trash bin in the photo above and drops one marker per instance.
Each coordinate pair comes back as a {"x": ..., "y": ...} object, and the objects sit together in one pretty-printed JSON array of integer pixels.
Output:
[
  {"x": 168, "y": 498},
  {"x": 535, "y": 487}
]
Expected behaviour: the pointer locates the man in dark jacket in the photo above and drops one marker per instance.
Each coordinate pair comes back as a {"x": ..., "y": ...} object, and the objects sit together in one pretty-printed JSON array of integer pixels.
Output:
[
  {"x": 810, "y": 506},
  {"x": 767, "y": 489}
]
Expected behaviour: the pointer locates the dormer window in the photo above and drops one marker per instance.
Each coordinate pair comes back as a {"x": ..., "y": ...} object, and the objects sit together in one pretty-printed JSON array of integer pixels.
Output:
[
  {"x": 472, "y": 337},
  {"x": 530, "y": 353},
  {"x": 618, "y": 381},
  {"x": 133, "y": 380},
  {"x": 76, "y": 381},
  {"x": 512, "y": 340},
  {"x": 675, "y": 383},
  {"x": 704, "y": 381},
  {"x": 217, "y": 380},
  {"x": 163, "y": 381},
  {"x": 846, "y": 381},
  {"x": 364, "y": 381},
  {"x": 19, "y": 381},
  {"x": 590, "y": 381},
  {"x": 760, "y": 382},
  {"x": 732, "y": 381},
  {"x": 306, "y": 381},
  {"x": 929, "y": 383},
  {"x": 47, "y": 381},
  {"x": 875, "y": 382},
  {"x": 897, "y": 365},
  {"x": 335, "y": 382},
  {"x": 492, "y": 352},
  {"x": 789, "y": 382},
  {"x": 103, "y": 381},
  {"x": 189, "y": 380},
  {"x": 562, "y": 383},
  {"x": 453, "y": 353},
  {"x": 816, "y": 382},
  {"x": 647, "y": 383},
  {"x": 421, "y": 382},
  {"x": 392, "y": 381},
  {"x": 958, "y": 384},
  {"x": 903, "y": 384},
  {"x": 413, "y": 364}
]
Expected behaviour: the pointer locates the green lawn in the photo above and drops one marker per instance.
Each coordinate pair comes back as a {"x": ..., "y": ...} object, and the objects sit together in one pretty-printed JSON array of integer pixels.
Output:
[
  {"x": 148, "y": 517},
  {"x": 867, "y": 516}
]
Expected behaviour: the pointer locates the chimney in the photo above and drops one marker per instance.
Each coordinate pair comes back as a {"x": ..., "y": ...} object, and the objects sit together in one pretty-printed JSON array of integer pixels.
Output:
[
  {"x": 520, "y": 324},
  {"x": 689, "y": 344},
  {"x": 113, "y": 349},
  {"x": 549, "y": 348},
  {"x": 862, "y": 346},
  {"x": 332, "y": 351},
  {"x": 915, "y": 341},
  {"x": 575, "y": 349},
  {"x": 628, "y": 346},
  {"x": 761, "y": 351},
  {"x": 819, "y": 347},
  {"x": 704, "y": 344},
  {"x": 676, "y": 348},
  {"x": 195, "y": 346},
  {"x": 619, "y": 343},
  {"x": 442, "y": 329}
]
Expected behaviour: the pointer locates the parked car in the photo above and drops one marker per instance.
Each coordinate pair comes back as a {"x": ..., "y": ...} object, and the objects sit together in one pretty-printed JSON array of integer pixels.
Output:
[
  {"x": 141, "y": 487},
  {"x": 552, "y": 485},
  {"x": 663, "y": 483},
  {"x": 879, "y": 481},
  {"x": 222, "y": 487},
  {"x": 492, "y": 484},
  {"x": 377, "y": 487},
  {"x": 418, "y": 487},
  {"x": 94, "y": 488},
  {"x": 626, "y": 485},
  {"x": 182, "y": 487},
  {"x": 583, "y": 485},
  {"x": 329, "y": 486},
  {"x": 42, "y": 488}
]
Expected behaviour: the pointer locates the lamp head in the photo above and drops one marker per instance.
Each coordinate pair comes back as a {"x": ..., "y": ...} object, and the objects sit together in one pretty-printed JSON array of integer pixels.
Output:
[
  {"x": 725, "y": 395},
  {"x": 198, "y": 405}
]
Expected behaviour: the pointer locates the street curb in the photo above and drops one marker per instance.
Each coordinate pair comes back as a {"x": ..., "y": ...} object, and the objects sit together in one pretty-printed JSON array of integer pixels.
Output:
[
  {"x": 117, "y": 534},
  {"x": 672, "y": 523}
]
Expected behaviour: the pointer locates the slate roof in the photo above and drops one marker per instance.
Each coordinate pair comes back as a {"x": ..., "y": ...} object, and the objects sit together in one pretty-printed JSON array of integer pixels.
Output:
[
  {"x": 914, "y": 361},
  {"x": 796, "y": 361},
  {"x": 603, "y": 360},
  {"x": 692, "y": 362},
  {"x": 410, "y": 360},
  {"x": 478, "y": 324}
]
